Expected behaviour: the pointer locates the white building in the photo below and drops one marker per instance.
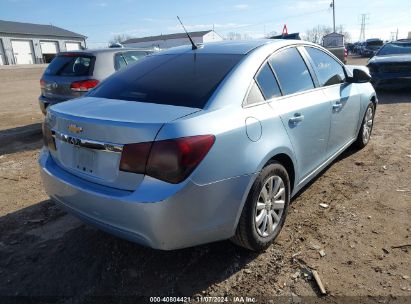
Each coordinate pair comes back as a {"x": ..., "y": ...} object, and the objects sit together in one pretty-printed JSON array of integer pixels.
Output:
[
  {"x": 27, "y": 43},
  {"x": 172, "y": 40}
]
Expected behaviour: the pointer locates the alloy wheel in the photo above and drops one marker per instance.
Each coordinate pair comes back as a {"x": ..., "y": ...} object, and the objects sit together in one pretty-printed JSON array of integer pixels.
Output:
[
  {"x": 367, "y": 125},
  {"x": 270, "y": 206}
]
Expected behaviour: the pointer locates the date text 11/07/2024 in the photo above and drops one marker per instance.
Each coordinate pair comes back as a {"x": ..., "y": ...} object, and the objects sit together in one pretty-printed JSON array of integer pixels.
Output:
[{"x": 203, "y": 299}]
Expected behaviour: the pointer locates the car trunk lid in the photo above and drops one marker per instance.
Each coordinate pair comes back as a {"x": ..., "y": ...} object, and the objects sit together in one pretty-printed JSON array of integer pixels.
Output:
[{"x": 90, "y": 133}]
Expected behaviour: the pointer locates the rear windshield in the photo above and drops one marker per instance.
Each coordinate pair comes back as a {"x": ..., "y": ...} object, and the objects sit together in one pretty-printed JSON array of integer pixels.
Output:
[
  {"x": 71, "y": 65},
  {"x": 395, "y": 48},
  {"x": 187, "y": 79}
]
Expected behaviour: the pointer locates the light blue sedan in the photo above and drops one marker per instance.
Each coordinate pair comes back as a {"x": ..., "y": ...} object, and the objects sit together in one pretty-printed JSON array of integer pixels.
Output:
[{"x": 194, "y": 146}]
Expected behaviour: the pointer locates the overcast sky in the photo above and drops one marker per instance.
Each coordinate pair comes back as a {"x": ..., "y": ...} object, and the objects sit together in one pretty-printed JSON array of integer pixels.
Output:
[{"x": 100, "y": 20}]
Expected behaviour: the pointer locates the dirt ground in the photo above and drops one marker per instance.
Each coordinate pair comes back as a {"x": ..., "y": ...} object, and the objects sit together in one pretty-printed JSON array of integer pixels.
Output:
[{"x": 364, "y": 234}]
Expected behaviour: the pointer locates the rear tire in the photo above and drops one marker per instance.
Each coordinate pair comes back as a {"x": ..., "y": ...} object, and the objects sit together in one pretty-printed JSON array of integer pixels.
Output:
[
  {"x": 265, "y": 209},
  {"x": 367, "y": 124}
]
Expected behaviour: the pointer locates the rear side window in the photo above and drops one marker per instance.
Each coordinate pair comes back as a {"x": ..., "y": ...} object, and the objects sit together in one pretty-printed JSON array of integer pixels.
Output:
[
  {"x": 292, "y": 73},
  {"x": 133, "y": 56},
  {"x": 187, "y": 79},
  {"x": 255, "y": 95},
  {"x": 267, "y": 83},
  {"x": 71, "y": 65},
  {"x": 119, "y": 61},
  {"x": 328, "y": 70}
]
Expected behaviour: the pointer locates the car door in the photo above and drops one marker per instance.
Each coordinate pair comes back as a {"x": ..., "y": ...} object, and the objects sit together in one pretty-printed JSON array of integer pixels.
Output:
[
  {"x": 344, "y": 97},
  {"x": 304, "y": 110}
]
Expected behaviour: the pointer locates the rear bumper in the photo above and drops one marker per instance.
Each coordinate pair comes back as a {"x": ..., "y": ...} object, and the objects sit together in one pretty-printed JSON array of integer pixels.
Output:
[
  {"x": 44, "y": 102},
  {"x": 157, "y": 215}
]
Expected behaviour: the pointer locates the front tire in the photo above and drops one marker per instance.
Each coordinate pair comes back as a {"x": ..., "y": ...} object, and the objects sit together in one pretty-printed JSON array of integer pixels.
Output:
[
  {"x": 265, "y": 210},
  {"x": 366, "y": 127}
]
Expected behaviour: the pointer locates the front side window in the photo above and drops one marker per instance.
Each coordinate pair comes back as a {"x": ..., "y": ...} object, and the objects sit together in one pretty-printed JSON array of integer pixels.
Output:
[
  {"x": 292, "y": 73},
  {"x": 328, "y": 70}
]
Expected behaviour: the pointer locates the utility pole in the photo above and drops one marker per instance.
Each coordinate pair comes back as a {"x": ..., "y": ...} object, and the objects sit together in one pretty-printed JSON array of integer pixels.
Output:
[{"x": 333, "y": 6}]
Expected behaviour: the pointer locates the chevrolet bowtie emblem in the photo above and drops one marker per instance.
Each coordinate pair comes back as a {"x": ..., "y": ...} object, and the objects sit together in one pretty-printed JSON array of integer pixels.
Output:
[{"x": 74, "y": 128}]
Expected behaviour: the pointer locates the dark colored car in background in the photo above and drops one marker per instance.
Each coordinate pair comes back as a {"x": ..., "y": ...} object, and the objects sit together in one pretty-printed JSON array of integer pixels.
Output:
[
  {"x": 390, "y": 68},
  {"x": 371, "y": 47},
  {"x": 72, "y": 74}
]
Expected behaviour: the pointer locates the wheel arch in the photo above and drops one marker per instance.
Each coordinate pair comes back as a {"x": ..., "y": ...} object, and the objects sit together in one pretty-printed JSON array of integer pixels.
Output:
[
  {"x": 285, "y": 160},
  {"x": 373, "y": 99},
  {"x": 288, "y": 164},
  {"x": 284, "y": 156}
]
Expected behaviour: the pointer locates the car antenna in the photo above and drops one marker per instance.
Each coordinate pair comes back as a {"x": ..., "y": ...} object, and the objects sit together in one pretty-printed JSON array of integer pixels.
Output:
[{"x": 194, "y": 46}]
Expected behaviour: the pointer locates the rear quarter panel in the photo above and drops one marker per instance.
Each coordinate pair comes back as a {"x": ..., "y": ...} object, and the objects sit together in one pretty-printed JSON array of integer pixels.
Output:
[
  {"x": 368, "y": 95},
  {"x": 233, "y": 153}
]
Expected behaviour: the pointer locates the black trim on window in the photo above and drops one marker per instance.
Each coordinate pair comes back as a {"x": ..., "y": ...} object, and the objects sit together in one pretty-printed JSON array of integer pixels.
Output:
[{"x": 310, "y": 65}]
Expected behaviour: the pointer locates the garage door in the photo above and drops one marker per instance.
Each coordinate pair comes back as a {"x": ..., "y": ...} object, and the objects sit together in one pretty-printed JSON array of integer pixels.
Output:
[
  {"x": 49, "y": 49},
  {"x": 73, "y": 46},
  {"x": 22, "y": 51}
]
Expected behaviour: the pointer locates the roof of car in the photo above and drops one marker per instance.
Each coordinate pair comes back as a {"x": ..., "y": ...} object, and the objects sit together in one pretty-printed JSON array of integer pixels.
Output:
[
  {"x": 107, "y": 50},
  {"x": 240, "y": 47}
]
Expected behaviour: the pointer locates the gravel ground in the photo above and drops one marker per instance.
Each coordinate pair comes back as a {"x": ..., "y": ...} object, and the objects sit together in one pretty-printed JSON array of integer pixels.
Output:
[{"x": 360, "y": 245}]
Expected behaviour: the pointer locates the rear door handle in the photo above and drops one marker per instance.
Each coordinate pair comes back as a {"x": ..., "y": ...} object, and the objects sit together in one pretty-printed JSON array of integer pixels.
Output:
[{"x": 298, "y": 117}]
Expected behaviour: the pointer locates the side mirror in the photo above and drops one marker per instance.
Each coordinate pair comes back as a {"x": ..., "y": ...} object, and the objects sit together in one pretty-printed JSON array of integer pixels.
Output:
[{"x": 359, "y": 76}]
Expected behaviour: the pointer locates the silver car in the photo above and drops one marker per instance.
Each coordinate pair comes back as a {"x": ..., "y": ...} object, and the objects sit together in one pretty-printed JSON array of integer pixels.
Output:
[
  {"x": 194, "y": 146},
  {"x": 72, "y": 74}
]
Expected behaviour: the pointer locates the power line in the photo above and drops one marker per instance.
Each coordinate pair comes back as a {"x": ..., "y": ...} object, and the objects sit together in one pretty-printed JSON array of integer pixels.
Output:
[{"x": 270, "y": 20}]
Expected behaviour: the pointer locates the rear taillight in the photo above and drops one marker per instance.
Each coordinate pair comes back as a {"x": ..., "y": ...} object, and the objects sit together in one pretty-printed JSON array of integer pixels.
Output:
[
  {"x": 48, "y": 138},
  {"x": 42, "y": 84},
  {"x": 170, "y": 160},
  {"x": 134, "y": 157},
  {"x": 84, "y": 85},
  {"x": 345, "y": 53}
]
